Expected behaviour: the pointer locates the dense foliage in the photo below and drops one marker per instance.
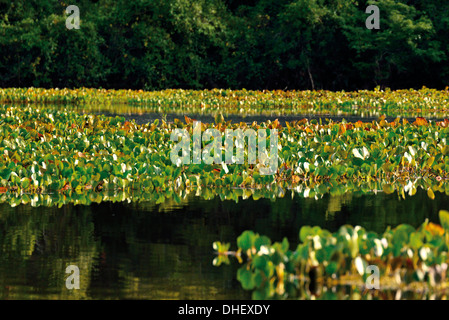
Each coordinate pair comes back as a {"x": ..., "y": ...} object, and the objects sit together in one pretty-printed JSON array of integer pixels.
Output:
[
  {"x": 55, "y": 148},
  {"x": 403, "y": 255},
  {"x": 253, "y": 44}
]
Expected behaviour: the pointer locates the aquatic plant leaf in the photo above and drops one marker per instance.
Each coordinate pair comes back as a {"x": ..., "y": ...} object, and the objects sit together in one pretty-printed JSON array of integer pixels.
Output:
[
  {"x": 246, "y": 278},
  {"x": 444, "y": 219},
  {"x": 246, "y": 240}
]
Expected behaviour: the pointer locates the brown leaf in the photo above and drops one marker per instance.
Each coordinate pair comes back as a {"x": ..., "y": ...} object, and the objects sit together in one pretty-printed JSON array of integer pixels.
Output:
[
  {"x": 188, "y": 120},
  {"x": 420, "y": 121}
]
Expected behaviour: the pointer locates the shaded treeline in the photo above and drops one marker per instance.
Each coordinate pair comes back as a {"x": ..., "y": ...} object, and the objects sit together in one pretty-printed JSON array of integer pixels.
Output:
[{"x": 252, "y": 44}]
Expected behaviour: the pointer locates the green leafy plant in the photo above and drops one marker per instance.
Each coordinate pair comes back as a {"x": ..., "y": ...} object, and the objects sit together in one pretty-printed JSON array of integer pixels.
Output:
[{"x": 408, "y": 258}]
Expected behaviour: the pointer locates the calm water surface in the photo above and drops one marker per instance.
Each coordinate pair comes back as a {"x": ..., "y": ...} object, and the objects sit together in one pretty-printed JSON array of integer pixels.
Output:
[
  {"x": 164, "y": 251},
  {"x": 142, "y": 118}
]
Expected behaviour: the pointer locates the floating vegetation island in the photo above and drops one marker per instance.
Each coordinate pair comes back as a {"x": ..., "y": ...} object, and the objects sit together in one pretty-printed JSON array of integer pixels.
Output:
[
  {"x": 53, "y": 154},
  {"x": 406, "y": 259},
  {"x": 46, "y": 149}
]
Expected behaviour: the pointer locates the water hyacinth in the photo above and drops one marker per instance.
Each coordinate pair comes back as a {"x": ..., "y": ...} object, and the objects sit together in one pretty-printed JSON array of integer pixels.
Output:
[
  {"x": 407, "y": 258},
  {"x": 56, "y": 149},
  {"x": 52, "y": 155}
]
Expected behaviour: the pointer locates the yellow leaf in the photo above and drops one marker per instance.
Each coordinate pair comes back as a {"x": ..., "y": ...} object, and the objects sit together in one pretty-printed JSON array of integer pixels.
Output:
[
  {"x": 388, "y": 188},
  {"x": 430, "y": 193},
  {"x": 434, "y": 229}
]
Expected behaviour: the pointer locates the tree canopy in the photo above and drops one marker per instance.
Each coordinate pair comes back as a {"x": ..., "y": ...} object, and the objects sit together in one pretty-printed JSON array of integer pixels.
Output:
[{"x": 201, "y": 44}]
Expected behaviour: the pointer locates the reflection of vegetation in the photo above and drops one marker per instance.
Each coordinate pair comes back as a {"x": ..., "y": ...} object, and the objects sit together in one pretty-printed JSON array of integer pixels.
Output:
[
  {"x": 406, "y": 258},
  {"x": 404, "y": 103},
  {"x": 36, "y": 247},
  {"x": 352, "y": 292},
  {"x": 170, "y": 199},
  {"x": 143, "y": 249},
  {"x": 336, "y": 202},
  {"x": 125, "y": 255}
]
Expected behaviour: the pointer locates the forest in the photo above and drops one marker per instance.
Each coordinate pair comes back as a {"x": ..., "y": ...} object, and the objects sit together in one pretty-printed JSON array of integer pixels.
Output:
[{"x": 204, "y": 44}]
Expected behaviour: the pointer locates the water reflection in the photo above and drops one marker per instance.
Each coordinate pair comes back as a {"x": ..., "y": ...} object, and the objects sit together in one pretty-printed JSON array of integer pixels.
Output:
[
  {"x": 146, "y": 117},
  {"x": 144, "y": 250},
  {"x": 358, "y": 293}
]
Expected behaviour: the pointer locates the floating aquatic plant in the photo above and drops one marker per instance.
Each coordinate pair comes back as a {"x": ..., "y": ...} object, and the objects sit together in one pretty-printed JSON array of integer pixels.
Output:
[
  {"x": 406, "y": 258},
  {"x": 57, "y": 149}
]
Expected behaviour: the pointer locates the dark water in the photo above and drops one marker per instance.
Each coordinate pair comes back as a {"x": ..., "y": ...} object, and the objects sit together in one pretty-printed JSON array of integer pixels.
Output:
[
  {"x": 164, "y": 251},
  {"x": 151, "y": 116}
]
